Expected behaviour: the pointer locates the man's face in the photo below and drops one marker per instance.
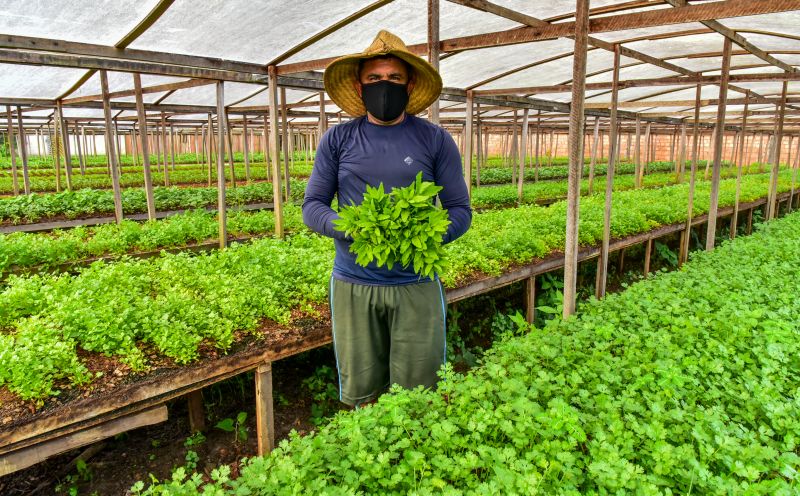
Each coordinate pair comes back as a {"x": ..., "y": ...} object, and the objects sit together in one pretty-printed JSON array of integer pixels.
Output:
[{"x": 390, "y": 69}]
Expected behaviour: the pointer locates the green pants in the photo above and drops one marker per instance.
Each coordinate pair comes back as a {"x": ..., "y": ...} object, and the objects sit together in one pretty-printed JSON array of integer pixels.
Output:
[{"x": 385, "y": 335}]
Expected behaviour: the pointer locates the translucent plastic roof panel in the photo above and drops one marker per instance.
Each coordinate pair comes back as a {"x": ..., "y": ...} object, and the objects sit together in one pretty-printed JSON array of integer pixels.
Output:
[
  {"x": 207, "y": 95},
  {"x": 551, "y": 8},
  {"x": 783, "y": 22},
  {"x": 555, "y": 72},
  {"x": 100, "y": 21},
  {"x": 121, "y": 81},
  {"x": 628, "y": 34},
  {"x": 408, "y": 19},
  {"x": 28, "y": 81},
  {"x": 470, "y": 67},
  {"x": 246, "y": 30},
  {"x": 702, "y": 64},
  {"x": 292, "y": 96},
  {"x": 639, "y": 71},
  {"x": 683, "y": 45}
]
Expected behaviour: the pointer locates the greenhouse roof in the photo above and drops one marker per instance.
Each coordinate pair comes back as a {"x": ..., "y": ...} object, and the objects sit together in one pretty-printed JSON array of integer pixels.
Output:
[{"x": 509, "y": 54}]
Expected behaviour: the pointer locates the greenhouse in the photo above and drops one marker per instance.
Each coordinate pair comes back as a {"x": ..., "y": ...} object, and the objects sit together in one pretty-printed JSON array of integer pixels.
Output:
[{"x": 217, "y": 219}]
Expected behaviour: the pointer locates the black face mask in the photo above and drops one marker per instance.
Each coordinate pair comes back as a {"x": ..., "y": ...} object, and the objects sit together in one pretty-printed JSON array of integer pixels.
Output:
[{"x": 385, "y": 100}]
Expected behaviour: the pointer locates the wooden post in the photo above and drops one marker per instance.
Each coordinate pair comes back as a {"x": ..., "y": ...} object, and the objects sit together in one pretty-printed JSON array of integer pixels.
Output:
[
  {"x": 197, "y": 413},
  {"x": 14, "y": 179},
  {"x": 682, "y": 153},
  {"x": 222, "y": 125},
  {"x": 637, "y": 152},
  {"x": 246, "y": 149},
  {"x": 593, "y": 159},
  {"x": 64, "y": 136},
  {"x": 478, "y": 147},
  {"x": 164, "y": 147},
  {"x": 648, "y": 249},
  {"x": 266, "y": 146},
  {"x": 720, "y": 128},
  {"x": 468, "y": 145},
  {"x": 110, "y": 152},
  {"x": 433, "y": 52},
  {"x": 81, "y": 162},
  {"x": 576, "y": 119},
  {"x": 537, "y": 149},
  {"x": 265, "y": 418},
  {"x": 621, "y": 264},
  {"x": 229, "y": 136},
  {"x": 648, "y": 139},
  {"x": 285, "y": 129},
  {"x": 735, "y": 216},
  {"x": 602, "y": 263},
  {"x": 522, "y": 151},
  {"x": 512, "y": 157},
  {"x": 275, "y": 144},
  {"x": 171, "y": 148},
  {"x": 207, "y": 141},
  {"x": 794, "y": 175},
  {"x": 23, "y": 148},
  {"x": 530, "y": 299},
  {"x": 148, "y": 180},
  {"x": 772, "y": 206},
  {"x": 683, "y": 254}
]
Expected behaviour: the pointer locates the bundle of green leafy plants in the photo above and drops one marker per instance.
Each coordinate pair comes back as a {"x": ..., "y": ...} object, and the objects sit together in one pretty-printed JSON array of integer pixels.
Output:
[{"x": 400, "y": 227}]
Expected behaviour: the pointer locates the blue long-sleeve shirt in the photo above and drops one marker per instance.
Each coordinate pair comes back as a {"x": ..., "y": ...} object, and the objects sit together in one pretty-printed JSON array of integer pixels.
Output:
[{"x": 358, "y": 153}]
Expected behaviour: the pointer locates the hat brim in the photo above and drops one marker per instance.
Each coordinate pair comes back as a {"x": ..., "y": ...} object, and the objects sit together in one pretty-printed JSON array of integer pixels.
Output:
[{"x": 342, "y": 74}]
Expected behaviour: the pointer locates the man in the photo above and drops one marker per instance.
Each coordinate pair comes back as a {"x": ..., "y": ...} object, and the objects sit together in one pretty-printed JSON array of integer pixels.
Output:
[{"x": 388, "y": 325}]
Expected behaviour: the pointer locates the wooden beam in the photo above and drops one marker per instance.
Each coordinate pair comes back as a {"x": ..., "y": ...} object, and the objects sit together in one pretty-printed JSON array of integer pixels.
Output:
[
  {"x": 602, "y": 264},
  {"x": 468, "y": 144},
  {"x": 265, "y": 417},
  {"x": 718, "y": 135},
  {"x": 275, "y": 150},
  {"x": 110, "y": 149},
  {"x": 739, "y": 165},
  {"x": 222, "y": 209},
  {"x": 26, "y": 457},
  {"x": 772, "y": 205},
  {"x": 433, "y": 52},
  {"x": 145, "y": 147},
  {"x": 575, "y": 148},
  {"x": 191, "y": 83}
]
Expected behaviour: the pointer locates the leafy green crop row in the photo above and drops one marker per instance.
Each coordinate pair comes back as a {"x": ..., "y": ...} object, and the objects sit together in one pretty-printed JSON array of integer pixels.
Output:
[
  {"x": 496, "y": 175},
  {"x": 22, "y": 250},
  {"x": 499, "y": 196},
  {"x": 136, "y": 179},
  {"x": 175, "y": 302},
  {"x": 46, "y": 161},
  {"x": 686, "y": 383},
  {"x": 71, "y": 204},
  {"x": 49, "y": 249}
]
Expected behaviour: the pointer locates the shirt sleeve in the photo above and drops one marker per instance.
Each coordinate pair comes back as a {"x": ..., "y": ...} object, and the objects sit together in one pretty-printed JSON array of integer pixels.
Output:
[
  {"x": 454, "y": 195},
  {"x": 322, "y": 186}
]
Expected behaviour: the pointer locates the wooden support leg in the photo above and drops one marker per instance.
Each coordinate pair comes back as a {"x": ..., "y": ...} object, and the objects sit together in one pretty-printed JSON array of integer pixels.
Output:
[
  {"x": 621, "y": 267},
  {"x": 265, "y": 420},
  {"x": 530, "y": 299},
  {"x": 683, "y": 253},
  {"x": 648, "y": 248},
  {"x": 197, "y": 411}
]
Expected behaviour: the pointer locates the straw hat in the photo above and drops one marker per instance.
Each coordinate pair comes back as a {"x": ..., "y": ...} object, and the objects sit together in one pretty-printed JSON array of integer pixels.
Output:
[{"x": 342, "y": 73}]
